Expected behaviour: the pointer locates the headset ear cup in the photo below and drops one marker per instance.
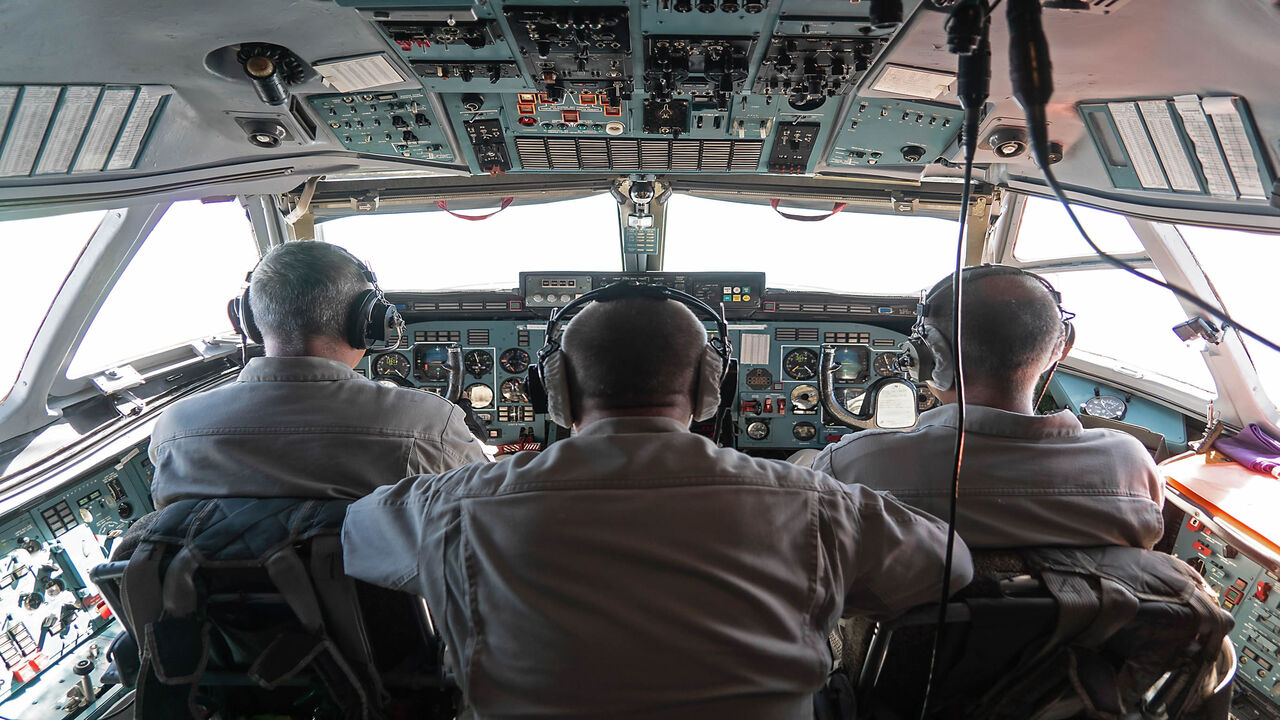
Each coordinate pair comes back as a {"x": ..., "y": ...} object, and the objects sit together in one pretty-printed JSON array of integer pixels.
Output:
[
  {"x": 245, "y": 309},
  {"x": 943, "y": 375},
  {"x": 555, "y": 384},
  {"x": 359, "y": 319},
  {"x": 711, "y": 369}
]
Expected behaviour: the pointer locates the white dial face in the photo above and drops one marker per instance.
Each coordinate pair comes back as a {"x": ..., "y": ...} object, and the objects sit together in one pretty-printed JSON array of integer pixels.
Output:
[
  {"x": 1108, "y": 407},
  {"x": 481, "y": 395}
]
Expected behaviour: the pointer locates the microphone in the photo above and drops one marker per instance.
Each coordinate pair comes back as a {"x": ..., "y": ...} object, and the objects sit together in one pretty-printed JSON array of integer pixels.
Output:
[
  {"x": 967, "y": 26},
  {"x": 1030, "y": 71}
]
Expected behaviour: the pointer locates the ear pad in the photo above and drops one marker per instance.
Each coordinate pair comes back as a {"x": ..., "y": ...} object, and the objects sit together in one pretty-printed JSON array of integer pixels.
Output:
[
  {"x": 554, "y": 379},
  {"x": 706, "y": 395},
  {"x": 241, "y": 314},
  {"x": 942, "y": 375},
  {"x": 359, "y": 320}
]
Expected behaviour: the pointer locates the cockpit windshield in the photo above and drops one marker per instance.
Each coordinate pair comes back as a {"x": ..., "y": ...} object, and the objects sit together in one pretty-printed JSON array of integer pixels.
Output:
[
  {"x": 847, "y": 252},
  {"x": 437, "y": 251},
  {"x": 39, "y": 253}
]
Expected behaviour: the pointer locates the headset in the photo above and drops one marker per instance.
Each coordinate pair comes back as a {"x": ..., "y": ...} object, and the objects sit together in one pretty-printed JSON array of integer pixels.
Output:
[
  {"x": 927, "y": 355},
  {"x": 548, "y": 380},
  {"x": 370, "y": 323}
]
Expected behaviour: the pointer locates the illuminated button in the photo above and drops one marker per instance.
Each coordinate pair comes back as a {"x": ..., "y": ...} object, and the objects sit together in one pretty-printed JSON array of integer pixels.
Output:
[
  {"x": 737, "y": 298},
  {"x": 746, "y": 298},
  {"x": 728, "y": 298},
  {"x": 737, "y": 289},
  {"x": 728, "y": 289}
]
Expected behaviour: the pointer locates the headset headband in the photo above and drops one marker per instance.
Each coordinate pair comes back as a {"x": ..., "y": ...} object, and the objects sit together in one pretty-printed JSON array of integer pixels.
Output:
[
  {"x": 925, "y": 306},
  {"x": 626, "y": 289}
]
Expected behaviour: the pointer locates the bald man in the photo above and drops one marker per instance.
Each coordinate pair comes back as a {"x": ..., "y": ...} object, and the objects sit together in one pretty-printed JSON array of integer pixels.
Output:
[
  {"x": 636, "y": 570},
  {"x": 1027, "y": 479}
]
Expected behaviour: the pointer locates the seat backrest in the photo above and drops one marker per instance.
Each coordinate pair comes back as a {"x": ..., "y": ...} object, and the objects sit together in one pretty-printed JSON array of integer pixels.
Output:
[
  {"x": 1099, "y": 632},
  {"x": 243, "y": 605}
]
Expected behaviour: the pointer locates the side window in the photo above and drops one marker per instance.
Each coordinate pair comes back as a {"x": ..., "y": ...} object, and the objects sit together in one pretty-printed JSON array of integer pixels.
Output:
[
  {"x": 176, "y": 287},
  {"x": 1047, "y": 233},
  {"x": 46, "y": 249}
]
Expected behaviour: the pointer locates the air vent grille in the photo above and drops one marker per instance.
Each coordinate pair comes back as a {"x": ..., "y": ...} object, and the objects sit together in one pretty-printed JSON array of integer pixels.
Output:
[
  {"x": 478, "y": 336},
  {"x": 539, "y": 153},
  {"x": 796, "y": 334}
]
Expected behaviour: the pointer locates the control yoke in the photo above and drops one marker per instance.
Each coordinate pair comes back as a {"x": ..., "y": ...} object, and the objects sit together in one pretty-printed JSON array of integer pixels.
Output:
[{"x": 889, "y": 403}]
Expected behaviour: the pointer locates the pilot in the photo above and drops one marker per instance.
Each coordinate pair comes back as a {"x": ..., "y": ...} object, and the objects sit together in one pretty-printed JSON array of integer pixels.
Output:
[
  {"x": 635, "y": 569},
  {"x": 300, "y": 422},
  {"x": 1026, "y": 479}
]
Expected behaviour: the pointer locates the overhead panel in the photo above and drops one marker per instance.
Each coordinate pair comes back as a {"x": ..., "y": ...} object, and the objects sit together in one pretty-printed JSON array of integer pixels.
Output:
[
  {"x": 59, "y": 129},
  {"x": 729, "y": 86}
]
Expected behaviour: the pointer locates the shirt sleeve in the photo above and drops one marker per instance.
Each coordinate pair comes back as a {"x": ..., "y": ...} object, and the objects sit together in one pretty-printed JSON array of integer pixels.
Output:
[
  {"x": 456, "y": 447},
  {"x": 890, "y": 556},
  {"x": 390, "y": 535}
]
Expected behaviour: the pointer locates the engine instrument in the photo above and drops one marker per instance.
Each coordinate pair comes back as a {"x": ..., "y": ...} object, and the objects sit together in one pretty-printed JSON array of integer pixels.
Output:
[
  {"x": 804, "y": 431},
  {"x": 392, "y": 364},
  {"x": 512, "y": 390},
  {"x": 478, "y": 363},
  {"x": 514, "y": 360},
  {"x": 801, "y": 364},
  {"x": 758, "y": 430},
  {"x": 804, "y": 397},
  {"x": 481, "y": 395}
]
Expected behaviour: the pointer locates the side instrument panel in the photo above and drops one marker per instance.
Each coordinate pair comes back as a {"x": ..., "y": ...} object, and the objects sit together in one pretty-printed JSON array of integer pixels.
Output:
[{"x": 54, "y": 617}]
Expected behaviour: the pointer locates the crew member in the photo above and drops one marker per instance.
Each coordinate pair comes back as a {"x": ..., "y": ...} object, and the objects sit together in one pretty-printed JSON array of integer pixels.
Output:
[
  {"x": 300, "y": 422},
  {"x": 635, "y": 569},
  {"x": 1026, "y": 479}
]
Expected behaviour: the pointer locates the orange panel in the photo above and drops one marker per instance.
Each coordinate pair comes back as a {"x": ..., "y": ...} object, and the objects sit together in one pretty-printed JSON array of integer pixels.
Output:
[{"x": 1246, "y": 499}]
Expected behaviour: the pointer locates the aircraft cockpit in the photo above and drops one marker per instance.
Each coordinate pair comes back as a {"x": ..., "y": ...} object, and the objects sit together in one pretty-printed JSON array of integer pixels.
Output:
[{"x": 806, "y": 170}]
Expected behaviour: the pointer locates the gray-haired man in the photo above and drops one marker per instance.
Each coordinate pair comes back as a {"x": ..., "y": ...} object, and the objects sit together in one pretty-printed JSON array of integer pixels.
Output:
[{"x": 300, "y": 422}]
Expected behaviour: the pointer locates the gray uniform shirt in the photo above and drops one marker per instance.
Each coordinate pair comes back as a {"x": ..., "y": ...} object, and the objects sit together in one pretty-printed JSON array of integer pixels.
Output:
[
  {"x": 1026, "y": 480},
  {"x": 637, "y": 570},
  {"x": 303, "y": 427}
]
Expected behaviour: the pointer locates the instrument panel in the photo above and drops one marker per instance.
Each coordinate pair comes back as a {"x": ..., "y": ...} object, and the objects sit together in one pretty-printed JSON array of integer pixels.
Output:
[{"x": 1252, "y": 595}]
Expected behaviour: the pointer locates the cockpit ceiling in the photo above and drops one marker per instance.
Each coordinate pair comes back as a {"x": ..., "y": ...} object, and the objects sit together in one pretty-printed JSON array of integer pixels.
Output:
[{"x": 133, "y": 98}]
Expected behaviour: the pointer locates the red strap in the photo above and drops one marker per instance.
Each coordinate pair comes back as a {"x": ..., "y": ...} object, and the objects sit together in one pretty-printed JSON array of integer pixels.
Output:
[
  {"x": 506, "y": 203},
  {"x": 806, "y": 218}
]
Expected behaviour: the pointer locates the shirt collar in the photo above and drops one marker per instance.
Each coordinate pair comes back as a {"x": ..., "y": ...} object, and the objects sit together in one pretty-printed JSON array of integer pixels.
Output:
[
  {"x": 296, "y": 369},
  {"x": 990, "y": 421},
  {"x": 633, "y": 426}
]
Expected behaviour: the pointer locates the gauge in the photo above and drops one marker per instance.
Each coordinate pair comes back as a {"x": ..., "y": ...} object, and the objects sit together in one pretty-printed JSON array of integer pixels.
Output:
[
  {"x": 759, "y": 379},
  {"x": 800, "y": 364},
  {"x": 392, "y": 363},
  {"x": 514, "y": 361},
  {"x": 758, "y": 430},
  {"x": 926, "y": 400},
  {"x": 1107, "y": 407},
  {"x": 850, "y": 398},
  {"x": 481, "y": 395},
  {"x": 432, "y": 359},
  {"x": 512, "y": 391},
  {"x": 390, "y": 381},
  {"x": 886, "y": 364},
  {"x": 804, "y": 431},
  {"x": 851, "y": 364},
  {"x": 478, "y": 363},
  {"x": 804, "y": 397}
]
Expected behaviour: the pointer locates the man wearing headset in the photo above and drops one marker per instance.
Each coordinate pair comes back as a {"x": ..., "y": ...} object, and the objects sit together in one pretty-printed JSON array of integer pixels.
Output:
[
  {"x": 1026, "y": 479},
  {"x": 635, "y": 569},
  {"x": 300, "y": 422}
]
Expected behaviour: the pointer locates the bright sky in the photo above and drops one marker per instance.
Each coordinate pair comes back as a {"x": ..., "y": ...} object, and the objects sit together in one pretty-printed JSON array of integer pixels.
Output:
[{"x": 177, "y": 287}]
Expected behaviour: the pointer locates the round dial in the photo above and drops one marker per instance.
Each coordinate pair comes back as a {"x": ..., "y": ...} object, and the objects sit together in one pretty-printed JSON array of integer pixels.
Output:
[
  {"x": 512, "y": 391},
  {"x": 389, "y": 381},
  {"x": 393, "y": 363},
  {"x": 758, "y": 430},
  {"x": 478, "y": 363},
  {"x": 804, "y": 431},
  {"x": 759, "y": 379},
  {"x": 851, "y": 364},
  {"x": 804, "y": 397},
  {"x": 886, "y": 364},
  {"x": 481, "y": 395},
  {"x": 800, "y": 364},
  {"x": 926, "y": 400},
  {"x": 1108, "y": 407},
  {"x": 514, "y": 361}
]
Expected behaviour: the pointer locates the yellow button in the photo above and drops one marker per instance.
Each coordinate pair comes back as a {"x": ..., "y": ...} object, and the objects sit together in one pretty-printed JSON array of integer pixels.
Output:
[
  {"x": 737, "y": 298},
  {"x": 746, "y": 298}
]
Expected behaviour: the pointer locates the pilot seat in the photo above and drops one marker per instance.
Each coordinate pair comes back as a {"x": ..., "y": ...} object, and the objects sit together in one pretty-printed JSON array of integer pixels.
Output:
[
  {"x": 241, "y": 608},
  {"x": 1048, "y": 633}
]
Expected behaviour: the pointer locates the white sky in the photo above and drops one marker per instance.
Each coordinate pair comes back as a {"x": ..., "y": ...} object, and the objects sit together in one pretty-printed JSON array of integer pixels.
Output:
[{"x": 177, "y": 287}]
